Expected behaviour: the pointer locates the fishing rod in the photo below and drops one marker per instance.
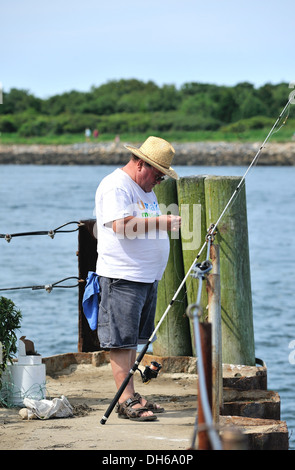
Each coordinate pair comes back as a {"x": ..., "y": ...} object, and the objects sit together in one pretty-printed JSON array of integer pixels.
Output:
[{"x": 204, "y": 266}]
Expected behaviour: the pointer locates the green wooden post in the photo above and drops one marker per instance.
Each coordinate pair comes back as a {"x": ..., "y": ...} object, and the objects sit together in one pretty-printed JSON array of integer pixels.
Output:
[
  {"x": 173, "y": 337},
  {"x": 236, "y": 299},
  {"x": 191, "y": 200}
]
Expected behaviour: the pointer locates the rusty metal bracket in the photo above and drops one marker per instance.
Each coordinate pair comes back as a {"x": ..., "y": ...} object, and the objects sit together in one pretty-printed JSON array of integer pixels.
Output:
[{"x": 210, "y": 236}]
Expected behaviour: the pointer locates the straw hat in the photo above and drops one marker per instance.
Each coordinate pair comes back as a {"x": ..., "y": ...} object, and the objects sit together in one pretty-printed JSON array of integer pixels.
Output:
[{"x": 158, "y": 153}]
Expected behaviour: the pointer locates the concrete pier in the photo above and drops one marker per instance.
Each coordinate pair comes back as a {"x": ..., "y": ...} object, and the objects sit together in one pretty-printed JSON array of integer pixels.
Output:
[{"x": 86, "y": 380}]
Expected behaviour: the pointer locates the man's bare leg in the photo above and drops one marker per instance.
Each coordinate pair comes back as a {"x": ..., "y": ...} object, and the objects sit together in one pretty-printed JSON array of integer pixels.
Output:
[{"x": 122, "y": 361}]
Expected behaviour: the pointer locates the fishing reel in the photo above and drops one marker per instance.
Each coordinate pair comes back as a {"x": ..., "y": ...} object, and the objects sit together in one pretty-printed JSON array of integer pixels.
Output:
[
  {"x": 150, "y": 372},
  {"x": 200, "y": 269}
]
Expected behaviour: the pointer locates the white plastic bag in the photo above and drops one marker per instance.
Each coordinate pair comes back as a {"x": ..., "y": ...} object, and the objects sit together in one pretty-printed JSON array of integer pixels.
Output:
[{"x": 45, "y": 409}]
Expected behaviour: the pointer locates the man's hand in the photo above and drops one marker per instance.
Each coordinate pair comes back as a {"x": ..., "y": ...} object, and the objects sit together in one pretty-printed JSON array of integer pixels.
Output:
[{"x": 169, "y": 223}]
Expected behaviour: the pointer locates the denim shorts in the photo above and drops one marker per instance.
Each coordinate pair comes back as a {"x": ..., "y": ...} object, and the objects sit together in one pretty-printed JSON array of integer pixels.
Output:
[{"x": 126, "y": 312}]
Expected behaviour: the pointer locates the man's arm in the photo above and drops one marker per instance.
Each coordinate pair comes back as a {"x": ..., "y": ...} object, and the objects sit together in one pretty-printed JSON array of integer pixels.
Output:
[{"x": 170, "y": 223}]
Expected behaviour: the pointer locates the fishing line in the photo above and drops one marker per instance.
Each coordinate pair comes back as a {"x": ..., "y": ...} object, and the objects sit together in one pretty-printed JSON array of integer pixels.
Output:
[{"x": 253, "y": 163}]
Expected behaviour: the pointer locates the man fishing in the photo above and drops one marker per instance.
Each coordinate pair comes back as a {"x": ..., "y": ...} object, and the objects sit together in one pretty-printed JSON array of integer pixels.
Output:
[{"x": 133, "y": 250}]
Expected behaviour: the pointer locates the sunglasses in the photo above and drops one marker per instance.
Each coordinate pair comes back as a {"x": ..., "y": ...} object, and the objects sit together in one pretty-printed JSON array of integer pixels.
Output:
[{"x": 159, "y": 178}]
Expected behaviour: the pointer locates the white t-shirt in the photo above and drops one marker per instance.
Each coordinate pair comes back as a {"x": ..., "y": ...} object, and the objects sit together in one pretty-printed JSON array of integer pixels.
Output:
[{"x": 135, "y": 257}]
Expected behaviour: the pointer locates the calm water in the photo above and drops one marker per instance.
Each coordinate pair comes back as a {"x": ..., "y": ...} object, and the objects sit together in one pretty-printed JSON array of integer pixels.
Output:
[{"x": 44, "y": 197}]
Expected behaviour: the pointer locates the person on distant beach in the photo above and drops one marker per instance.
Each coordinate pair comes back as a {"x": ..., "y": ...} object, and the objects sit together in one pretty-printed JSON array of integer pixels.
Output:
[
  {"x": 133, "y": 249},
  {"x": 87, "y": 134}
]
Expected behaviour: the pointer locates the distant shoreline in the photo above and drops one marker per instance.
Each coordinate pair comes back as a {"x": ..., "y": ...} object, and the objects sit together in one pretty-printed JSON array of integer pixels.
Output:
[{"x": 194, "y": 153}]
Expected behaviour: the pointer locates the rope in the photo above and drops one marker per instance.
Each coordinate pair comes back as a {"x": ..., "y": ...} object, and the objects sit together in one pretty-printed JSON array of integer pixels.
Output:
[
  {"x": 47, "y": 287},
  {"x": 50, "y": 233}
]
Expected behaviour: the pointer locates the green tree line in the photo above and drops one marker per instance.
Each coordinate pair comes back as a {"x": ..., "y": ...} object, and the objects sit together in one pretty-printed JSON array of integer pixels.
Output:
[{"x": 122, "y": 106}]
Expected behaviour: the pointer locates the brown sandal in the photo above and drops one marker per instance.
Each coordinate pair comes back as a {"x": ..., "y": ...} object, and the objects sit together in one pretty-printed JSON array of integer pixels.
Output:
[
  {"x": 125, "y": 411},
  {"x": 150, "y": 405}
]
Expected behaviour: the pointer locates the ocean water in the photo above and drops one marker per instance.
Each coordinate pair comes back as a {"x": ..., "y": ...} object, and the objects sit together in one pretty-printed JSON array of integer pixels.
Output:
[{"x": 36, "y": 198}]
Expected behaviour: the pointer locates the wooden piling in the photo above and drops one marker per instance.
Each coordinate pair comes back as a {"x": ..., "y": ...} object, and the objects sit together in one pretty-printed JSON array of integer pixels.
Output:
[
  {"x": 191, "y": 201},
  {"x": 173, "y": 336},
  {"x": 236, "y": 298}
]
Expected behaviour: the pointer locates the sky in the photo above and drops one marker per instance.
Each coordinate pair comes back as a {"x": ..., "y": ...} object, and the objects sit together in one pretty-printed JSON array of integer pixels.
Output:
[{"x": 52, "y": 47}]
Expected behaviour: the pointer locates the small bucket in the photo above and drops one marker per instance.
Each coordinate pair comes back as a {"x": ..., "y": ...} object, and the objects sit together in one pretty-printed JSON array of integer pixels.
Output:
[{"x": 21, "y": 381}]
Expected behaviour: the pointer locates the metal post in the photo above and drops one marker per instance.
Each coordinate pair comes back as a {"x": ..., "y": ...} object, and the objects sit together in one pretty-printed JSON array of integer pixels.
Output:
[
  {"x": 87, "y": 255},
  {"x": 214, "y": 313},
  {"x": 205, "y": 336}
]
